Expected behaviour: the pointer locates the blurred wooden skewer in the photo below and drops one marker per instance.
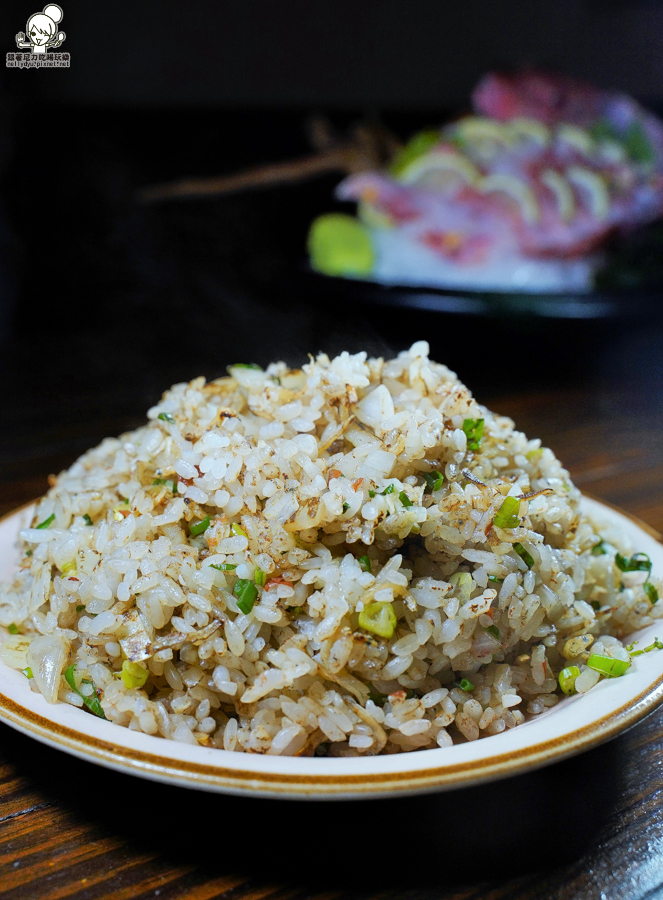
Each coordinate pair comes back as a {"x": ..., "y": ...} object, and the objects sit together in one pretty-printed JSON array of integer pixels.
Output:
[
  {"x": 261, "y": 176},
  {"x": 368, "y": 147}
]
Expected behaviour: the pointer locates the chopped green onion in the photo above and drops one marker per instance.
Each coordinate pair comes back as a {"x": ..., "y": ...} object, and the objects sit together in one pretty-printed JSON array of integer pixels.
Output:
[
  {"x": 88, "y": 520},
  {"x": 346, "y": 507},
  {"x": 169, "y": 482},
  {"x": 378, "y": 698},
  {"x": 199, "y": 527},
  {"x": 371, "y": 494},
  {"x": 405, "y": 500},
  {"x": 133, "y": 674},
  {"x": 388, "y": 490},
  {"x": 599, "y": 549},
  {"x": 260, "y": 577},
  {"x": 28, "y": 552},
  {"x": 495, "y": 579},
  {"x": 80, "y": 607},
  {"x": 465, "y": 684},
  {"x": 12, "y": 629},
  {"x": 223, "y": 567},
  {"x": 639, "y": 562},
  {"x": 656, "y": 645},
  {"x": 47, "y": 522},
  {"x": 434, "y": 481},
  {"x": 507, "y": 515},
  {"x": 533, "y": 455},
  {"x": 27, "y": 672},
  {"x": 166, "y": 417},
  {"x": 524, "y": 555},
  {"x": 606, "y": 665},
  {"x": 494, "y": 630},
  {"x": 365, "y": 563},
  {"x": 379, "y": 618},
  {"x": 69, "y": 567},
  {"x": 651, "y": 592},
  {"x": 92, "y": 703},
  {"x": 238, "y": 530},
  {"x": 295, "y": 611},
  {"x": 245, "y": 366},
  {"x": 473, "y": 429},
  {"x": 246, "y": 593},
  {"x": 567, "y": 679}
]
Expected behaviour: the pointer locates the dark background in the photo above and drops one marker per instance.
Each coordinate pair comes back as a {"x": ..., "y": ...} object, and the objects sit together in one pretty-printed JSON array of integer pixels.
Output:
[{"x": 104, "y": 302}]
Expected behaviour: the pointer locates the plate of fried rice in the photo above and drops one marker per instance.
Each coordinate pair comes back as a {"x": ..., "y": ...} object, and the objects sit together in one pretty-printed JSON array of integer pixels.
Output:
[{"x": 345, "y": 580}]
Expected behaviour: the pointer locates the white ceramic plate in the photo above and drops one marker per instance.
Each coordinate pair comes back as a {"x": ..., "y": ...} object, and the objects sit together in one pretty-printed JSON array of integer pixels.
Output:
[{"x": 571, "y": 727}]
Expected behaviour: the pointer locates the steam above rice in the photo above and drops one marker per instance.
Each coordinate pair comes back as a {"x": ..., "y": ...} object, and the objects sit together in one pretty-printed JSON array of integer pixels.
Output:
[{"x": 351, "y": 558}]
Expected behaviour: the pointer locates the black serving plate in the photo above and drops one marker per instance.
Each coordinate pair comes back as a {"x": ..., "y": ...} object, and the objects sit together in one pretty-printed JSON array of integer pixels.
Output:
[
  {"x": 599, "y": 304},
  {"x": 629, "y": 286}
]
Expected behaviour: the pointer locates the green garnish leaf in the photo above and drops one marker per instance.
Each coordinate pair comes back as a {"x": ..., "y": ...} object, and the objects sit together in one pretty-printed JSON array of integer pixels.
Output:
[
  {"x": 27, "y": 672},
  {"x": 651, "y": 592},
  {"x": 466, "y": 685},
  {"x": 494, "y": 630},
  {"x": 473, "y": 428},
  {"x": 371, "y": 494},
  {"x": 47, "y": 522},
  {"x": 340, "y": 245},
  {"x": 434, "y": 481},
  {"x": 346, "y": 507},
  {"x": 12, "y": 629},
  {"x": 388, "y": 490},
  {"x": 92, "y": 703},
  {"x": 405, "y": 500},
  {"x": 599, "y": 549},
  {"x": 656, "y": 645},
  {"x": 495, "y": 579},
  {"x": 567, "y": 679},
  {"x": 526, "y": 557},
  {"x": 246, "y": 593},
  {"x": 639, "y": 562},
  {"x": 88, "y": 520},
  {"x": 223, "y": 567},
  {"x": 379, "y": 618},
  {"x": 418, "y": 145},
  {"x": 365, "y": 563},
  {"x": 200, "y": 527},
  {"x": 606, "y": 665},
  {"x": 166, "y": 417},
  {"x": 238, "y": 530},
  {"x": 507, "y": 515}
]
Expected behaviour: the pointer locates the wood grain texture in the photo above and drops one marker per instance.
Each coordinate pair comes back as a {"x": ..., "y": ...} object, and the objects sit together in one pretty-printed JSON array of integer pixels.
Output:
[{"x": 590, "y": 827}]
